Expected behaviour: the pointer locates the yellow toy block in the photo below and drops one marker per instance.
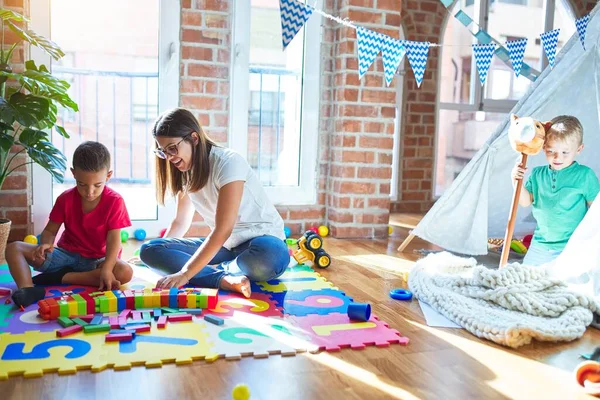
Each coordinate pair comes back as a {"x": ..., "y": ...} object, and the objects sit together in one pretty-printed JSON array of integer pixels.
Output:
[
  {"x": 112, "y": 301},
  {"x": 191, "y": 300},
  {"x": 73, "y": 308},
  {"x": 156, "y": 299}
]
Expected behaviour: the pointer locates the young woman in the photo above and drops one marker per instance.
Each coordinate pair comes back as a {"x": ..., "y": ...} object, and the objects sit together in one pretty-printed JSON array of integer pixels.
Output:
[{"x": 246, "y": 242}]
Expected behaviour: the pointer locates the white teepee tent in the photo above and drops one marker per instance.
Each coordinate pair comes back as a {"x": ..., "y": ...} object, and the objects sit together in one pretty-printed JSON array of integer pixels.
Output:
[{"x": 477, "y": 204}]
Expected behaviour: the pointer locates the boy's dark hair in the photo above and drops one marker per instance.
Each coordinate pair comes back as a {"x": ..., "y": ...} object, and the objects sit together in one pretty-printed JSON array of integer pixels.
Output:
[{"x": 91, "y": 156}]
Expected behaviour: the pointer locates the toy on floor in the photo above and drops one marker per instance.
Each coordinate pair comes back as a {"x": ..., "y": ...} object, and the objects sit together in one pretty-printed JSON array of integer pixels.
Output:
[
  {"x": 287, "y": 231},
  {"x": 515, "y": 245},
  {"x": 140, "y": 234},
  {"x": 401, "y": 294},
  {"x": 323, "y": 231},
  {"x": 117, "y": 300},
  {"x": 124, "y": 236},
  {"x": 587, "y": 374},
  {"x": 310, "y": 249},
  {"x": 240, "y": 392},
  {"x": 359, "y": 311}
]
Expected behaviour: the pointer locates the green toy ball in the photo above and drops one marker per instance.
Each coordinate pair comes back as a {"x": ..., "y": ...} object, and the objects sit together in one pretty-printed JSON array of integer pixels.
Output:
[
  {"x": 124, "y": 236},
  {"x": 240, "y": 392},
  {"x": 137, "y": 252}
]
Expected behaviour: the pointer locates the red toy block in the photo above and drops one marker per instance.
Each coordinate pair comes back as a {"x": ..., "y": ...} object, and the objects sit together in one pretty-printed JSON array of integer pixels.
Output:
[
  {"x": 139, "y": 328},
  {"x": 180, "y": 317},
  {"x": 114, "y": 322},
  {"x": 43, "y": 309},
  {"x": 69, "y": 331},
  {"x": 162, "y": 322},
  {"x": 54, "y": 308},
  {"x": 90, "y": 304},
  {"x": 182, "y": 300},
  {"x": 87, "y": 318},
  {"x": 119, "y": 337},
  {"x": 164, "y": 299},
  {"x": 129, "y": 299},
  {"x": 5, "y": 292}
]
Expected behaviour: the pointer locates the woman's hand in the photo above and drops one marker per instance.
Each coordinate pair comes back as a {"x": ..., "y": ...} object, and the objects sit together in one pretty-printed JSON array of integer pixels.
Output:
[{"x": 172, "y": 281}]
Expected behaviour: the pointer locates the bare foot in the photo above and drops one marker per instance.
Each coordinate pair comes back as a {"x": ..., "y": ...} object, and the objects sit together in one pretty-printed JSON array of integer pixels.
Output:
[{"x": 240, "y": 284}]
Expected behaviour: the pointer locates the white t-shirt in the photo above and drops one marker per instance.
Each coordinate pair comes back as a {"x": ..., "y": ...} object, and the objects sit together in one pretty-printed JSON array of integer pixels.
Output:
[{"x": 257, "y": 216}]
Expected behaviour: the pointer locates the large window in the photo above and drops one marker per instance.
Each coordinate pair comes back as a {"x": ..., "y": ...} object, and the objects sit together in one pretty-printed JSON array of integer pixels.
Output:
[
  {"x": 275, "y": 98},
  {"x": 468, "y": 112}
]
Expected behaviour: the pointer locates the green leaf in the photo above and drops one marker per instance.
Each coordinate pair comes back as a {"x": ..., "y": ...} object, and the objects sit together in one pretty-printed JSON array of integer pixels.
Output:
[
  {"x": 5, "y": 127},
  {"x": 61, "y": 131},
  {"x": 27, "y": 109},
  {"x": 6, "y": 142},
  {"x": 7, "y": 113},
  {"x": 37, "y": 40},
  {"x": 29, "y": 137},
  {"x": 9, "y": 15},
  {"x": 49, "y": 157},
  {"x": 41, "y": 83}
]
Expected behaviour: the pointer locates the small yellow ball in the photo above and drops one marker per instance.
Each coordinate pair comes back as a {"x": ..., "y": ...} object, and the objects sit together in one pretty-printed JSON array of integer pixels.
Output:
[
  {"x": 390, "y": 230},
  {"x": 323, "y": 231},
  {"x": 240, "y": 392},
  {"x": 30, "y": 239}
]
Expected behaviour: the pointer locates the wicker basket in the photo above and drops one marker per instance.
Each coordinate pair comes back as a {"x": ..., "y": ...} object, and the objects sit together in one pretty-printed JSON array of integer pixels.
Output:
[{"x": 4, "y": 231}]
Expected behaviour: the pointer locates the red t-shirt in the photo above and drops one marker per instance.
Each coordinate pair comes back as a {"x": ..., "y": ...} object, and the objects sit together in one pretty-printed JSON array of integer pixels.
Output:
[{"x": 85, "y": 234}]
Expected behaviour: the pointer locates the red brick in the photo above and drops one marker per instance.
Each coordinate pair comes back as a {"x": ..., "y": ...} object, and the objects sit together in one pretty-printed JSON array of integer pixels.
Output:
[
  {"x": 351, "y": 125},
  {"x": 202, "y": 102},
  {"x": 373, "y": 80},
  {"x": 191, "y": 18},
  {"x": 204, "y": 119},
  {"x": 375, "y": 172},
  {"x": 371, "y": 127},
  {"x": 224, "y": 88},
  {"x": 358, "y": 111},
  {"x": 339, "y": 171},
  {"x": 378, "y": 96},
  {"x": 376, "y": 142},
  {"x": 344, "y": 232},
  {"x": 196, "y": 36},
  {"x": 357, "y": 188},
  {"x": 197, "y": 53},
  {"x": 15, "y": 182},
  {"x": 361, "y": 3},
  {"x": 393, "y": 19},
  {"x": 221, "y": 120},
  {"x": 305, "y": 214},
  {"x": 379, "y": 203},
  {"x": 418, "y": 163},
  {"x": 224, "y": 56},
  {"x": 429, "y": 7},
  {"x": 192, "y": 86},
  {"x": 383, "y": 158},
  {"x": 186, "y": 4},
  {"x": 211, "y": 87},
  {"x": 347, "y": 95},
  {"x": 17, "y": 233},
  {"x": 384, "y": 188},
  {"x": 18, "y": 217},
  {"x": 388, "y": 112},
  {"x": 358, "y": 156},
  {"x": 207, "y": 71},
  {"x": 213, "y": 5},
  {"x": 422, "y": 108},
  {"x": 335, "y": 216},
  {"x": 13, "y": 199},
  {"x": 413, "y": 174}
]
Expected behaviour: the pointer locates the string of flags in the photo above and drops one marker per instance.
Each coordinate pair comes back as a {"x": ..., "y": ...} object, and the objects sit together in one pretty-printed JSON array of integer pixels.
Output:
[{"x": 295, "y": 14}]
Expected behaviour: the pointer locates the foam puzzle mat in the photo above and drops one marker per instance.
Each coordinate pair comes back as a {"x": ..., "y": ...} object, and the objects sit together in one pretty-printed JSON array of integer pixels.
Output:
[{"x": 299, "y": 312}]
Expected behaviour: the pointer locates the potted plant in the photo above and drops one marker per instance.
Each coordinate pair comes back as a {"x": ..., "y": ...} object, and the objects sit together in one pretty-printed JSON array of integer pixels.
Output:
[{"x": 29, "y": 102}]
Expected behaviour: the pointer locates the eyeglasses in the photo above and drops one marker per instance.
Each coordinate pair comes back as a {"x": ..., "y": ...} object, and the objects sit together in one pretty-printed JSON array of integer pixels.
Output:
[{"x": 170, "y": 150}]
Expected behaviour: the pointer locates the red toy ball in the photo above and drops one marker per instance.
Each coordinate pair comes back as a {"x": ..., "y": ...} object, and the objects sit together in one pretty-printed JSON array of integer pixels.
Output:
[
  {"x": 527, "y": 240},
  {"x": 162, "y": 232},
  {"x": 314, "y": 229}
]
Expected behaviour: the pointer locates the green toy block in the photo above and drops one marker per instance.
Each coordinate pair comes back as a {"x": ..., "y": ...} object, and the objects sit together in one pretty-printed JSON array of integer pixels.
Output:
[
  {"x": 81, "y": 305},
  {"x": 169, "y": 310},
  {"x": 103, "y": 304},
  {"x": 63, "y": 308},
  {"x": 65, "y": 322},
  {"x": 80, "y": 322},
  {"x": 96, "y": 328},
  {"x": 202, "y": 301}
]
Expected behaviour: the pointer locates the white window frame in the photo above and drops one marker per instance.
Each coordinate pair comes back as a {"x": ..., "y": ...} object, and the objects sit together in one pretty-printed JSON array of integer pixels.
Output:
[
  {"x": 306, "y": 191},
  {"x": 478, "y": 101},
  {"x": 168, "y": 97}
]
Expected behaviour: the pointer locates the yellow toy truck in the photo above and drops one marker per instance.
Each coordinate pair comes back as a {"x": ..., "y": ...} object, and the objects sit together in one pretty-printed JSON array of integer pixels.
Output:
[{"x": 310, "y": 249}]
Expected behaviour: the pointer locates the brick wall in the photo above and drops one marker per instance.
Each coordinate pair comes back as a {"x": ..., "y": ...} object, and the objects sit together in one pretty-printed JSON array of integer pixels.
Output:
[
  {"x": 16, "y": 194},
  {"x": 422, "y": 20}
]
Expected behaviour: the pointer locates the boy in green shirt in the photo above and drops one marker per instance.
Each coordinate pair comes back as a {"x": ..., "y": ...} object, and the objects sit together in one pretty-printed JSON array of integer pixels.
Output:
[{"x": 560, "y": 192}]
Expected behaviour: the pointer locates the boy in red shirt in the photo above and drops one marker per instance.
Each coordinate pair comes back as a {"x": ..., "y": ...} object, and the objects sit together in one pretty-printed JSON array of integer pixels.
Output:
[{"x": 88, "y": 251}]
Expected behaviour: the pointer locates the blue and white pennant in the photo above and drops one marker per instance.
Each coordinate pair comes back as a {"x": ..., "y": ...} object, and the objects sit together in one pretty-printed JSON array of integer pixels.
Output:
[
  {"x": 417, "y": 53},
  {"x": 483, "y": 59},
  {"x": 392, "y": 52},
  {"x": 516, "y": 50},
  {"x": 549, "y": 41},
  {"x": 369, "y": 45},
  {"x": 581, "y": 25},
  {"x": 293, "y": 17}
]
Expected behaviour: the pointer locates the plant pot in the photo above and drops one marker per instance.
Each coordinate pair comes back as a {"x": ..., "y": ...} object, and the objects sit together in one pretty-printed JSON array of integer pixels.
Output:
[{"x": 4, "y": 232}]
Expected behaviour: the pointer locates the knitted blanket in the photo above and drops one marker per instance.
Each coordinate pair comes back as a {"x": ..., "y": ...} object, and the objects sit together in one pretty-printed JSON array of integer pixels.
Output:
[{"x": 510, "y": 306}]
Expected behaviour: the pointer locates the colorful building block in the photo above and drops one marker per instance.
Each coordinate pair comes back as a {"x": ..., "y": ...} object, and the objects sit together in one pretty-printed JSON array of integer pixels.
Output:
[
  {"x": 69, "y": 331},
  {"x": 79, "y": 321},
  {"x": 65, "y": 322},
  {"x": 214, "y": 319},
  {"x": 138, "y": 328},
  {"x": 180, "y": 318},
  {"x": 97, "y": 320},
  {"x": 162, "y": 322},
  {"x": 193, "y": 311},
  {"x": 96, "y": 328},
  {"x": 119, "y": 337}
]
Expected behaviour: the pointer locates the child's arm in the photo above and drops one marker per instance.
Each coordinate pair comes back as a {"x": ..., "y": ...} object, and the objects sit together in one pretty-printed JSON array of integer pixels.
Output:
[
  {"x": 518, "y": 172},
  {"x": 113, "y": 245},
  {"x": 47, "y": 239}
]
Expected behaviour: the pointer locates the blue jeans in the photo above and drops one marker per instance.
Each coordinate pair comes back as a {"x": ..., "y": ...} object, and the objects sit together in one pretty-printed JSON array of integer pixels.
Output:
[
  {"x": 260, "y": 259},
  {"x": 60, "y": 258}
]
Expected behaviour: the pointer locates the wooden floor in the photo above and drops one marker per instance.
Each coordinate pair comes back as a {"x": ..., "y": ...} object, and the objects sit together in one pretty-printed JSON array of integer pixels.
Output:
[{"x": 438, "y": 363}]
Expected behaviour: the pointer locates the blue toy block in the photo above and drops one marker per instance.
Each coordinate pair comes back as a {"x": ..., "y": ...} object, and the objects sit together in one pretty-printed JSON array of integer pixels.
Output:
[
  {"x": 97, "y": 320},
  {"x": 121, "y": 303},
  {"x": 173, "y": 298},
  {"x": 157, "y": 313},
  {"x": 214, "y": 320},
  {"x": 117, "y": 331},
  {"x": 193, "y": 311}
]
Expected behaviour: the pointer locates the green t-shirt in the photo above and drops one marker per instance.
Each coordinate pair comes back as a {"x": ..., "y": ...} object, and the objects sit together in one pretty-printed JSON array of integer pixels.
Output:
[{"x": 560, "y": 201}]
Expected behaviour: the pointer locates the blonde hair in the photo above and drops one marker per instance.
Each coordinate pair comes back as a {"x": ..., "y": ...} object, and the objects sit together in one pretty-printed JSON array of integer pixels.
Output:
[
  {"x": 565, "y": 127},
  {"x": 180, "y": 122}
]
